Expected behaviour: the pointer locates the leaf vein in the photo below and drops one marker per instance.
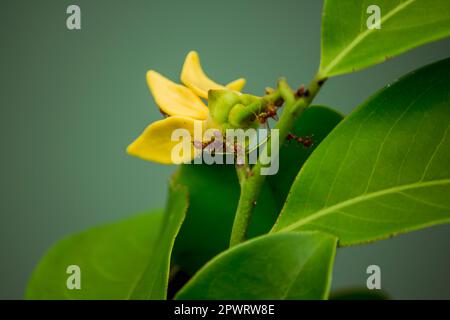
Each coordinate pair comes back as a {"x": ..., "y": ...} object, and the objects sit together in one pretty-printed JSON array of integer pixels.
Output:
[
  {"x": 361, "y": 198},
  {"x": 363, "y": 35}
]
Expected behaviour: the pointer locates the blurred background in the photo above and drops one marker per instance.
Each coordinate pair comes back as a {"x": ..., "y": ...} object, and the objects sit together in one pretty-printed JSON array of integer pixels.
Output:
[{"x": 71, "y": 101}]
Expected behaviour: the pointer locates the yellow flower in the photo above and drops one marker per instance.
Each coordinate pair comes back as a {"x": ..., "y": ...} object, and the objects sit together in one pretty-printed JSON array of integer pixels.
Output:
[{"x": 183, "y": 105}]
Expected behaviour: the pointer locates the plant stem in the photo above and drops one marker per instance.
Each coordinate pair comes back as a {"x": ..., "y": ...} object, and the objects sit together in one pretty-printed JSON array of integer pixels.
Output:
[
  {"x": 241, "y": 171},
  {"x": 252, "y": 182}
]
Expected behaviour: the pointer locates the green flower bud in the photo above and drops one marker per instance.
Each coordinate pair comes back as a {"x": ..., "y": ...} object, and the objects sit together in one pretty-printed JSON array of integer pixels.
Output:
[
  {"x": 242, "y": 116},
  {"x": 228, "y": 109},
  {"x": 220, "y": 103}
]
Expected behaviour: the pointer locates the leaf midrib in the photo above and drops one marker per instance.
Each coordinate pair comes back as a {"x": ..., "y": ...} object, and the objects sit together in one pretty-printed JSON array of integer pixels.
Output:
[
  {"x": 362, "y": 36},
  {"x": 300, "y": 269},
  {"x": 361, "y": 198}
]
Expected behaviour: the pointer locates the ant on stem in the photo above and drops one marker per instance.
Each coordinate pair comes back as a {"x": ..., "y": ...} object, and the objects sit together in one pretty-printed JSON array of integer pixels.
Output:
[
  {"x": 271, "y": 111},
  {"x": 306, "y": 141}
]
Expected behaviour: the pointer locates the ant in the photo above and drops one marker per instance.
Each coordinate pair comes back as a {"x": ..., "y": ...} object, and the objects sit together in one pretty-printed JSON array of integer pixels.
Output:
[
  {"x": 202, "y": 144},
  {"x": 302, "y": 92},
  {"x": 270, "y": 113},
  {"x": 214, "y": 141},
  {"x": 306, "y": 141},
  {"x": 217, "y": 143}
]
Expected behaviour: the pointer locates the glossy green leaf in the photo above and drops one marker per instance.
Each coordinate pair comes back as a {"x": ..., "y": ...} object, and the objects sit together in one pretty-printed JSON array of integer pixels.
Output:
[
  {"x": 359, "y": 294},
  {"x": 316, "y": 122},
  {"x": 153, "y": 282},
  {"x": 383, "y": 170},
  {"x": 213, "y": 198},
  {"x": 288, "y": 265},
  {"x": 110, "y": 258},
  {"x": 349, "y": 45},
  {"x": 124, "y": 260}
]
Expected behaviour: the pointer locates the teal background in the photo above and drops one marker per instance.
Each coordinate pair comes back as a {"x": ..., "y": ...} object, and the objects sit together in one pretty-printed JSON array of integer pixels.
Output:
[{"x": 71, "y": 101}]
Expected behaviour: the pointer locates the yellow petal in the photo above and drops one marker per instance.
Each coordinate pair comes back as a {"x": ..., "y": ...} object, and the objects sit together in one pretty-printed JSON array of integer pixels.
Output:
[
  {"x": 175, "y": 99},
  {"x": 155, "y": 143},
  {"x": 195, "y": 78},
  {"x": 237, "y": 85}
]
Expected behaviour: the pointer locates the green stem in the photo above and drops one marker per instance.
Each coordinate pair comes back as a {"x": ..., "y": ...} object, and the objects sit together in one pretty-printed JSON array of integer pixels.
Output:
[
  {"x": 252, "y": 182},
  {"x": 241, "y": 171}
]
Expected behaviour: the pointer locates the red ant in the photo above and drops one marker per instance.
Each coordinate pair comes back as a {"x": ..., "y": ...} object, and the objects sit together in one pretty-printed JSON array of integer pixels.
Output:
[
  {"x": 270, "y": 113},
  {"x": 302, "y": 92},
  {"x": 306, "y": 141},
  {"x": 201, "y": 144},
  {"x": 204, "y": 144}
]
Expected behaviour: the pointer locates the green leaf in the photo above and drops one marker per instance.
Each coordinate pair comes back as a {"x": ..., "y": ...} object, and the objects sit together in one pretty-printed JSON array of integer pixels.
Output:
[
  {"x": 110, "y": 257},
  {"x": 213, "y": 198},
  {"x": 124, "y": 260},
  {"x": 349, "y": 45},
  {"x": 359, "y": 294},
  {"x": 315, "y": 122},
  {"x": 288, "y": 265},
  {"x": 153, "y": 282},
  {"x": 384, "y": 170}
]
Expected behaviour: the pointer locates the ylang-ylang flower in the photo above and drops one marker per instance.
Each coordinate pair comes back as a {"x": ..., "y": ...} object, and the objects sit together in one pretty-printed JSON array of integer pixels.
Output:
[{"x": 184, "y": 107}]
